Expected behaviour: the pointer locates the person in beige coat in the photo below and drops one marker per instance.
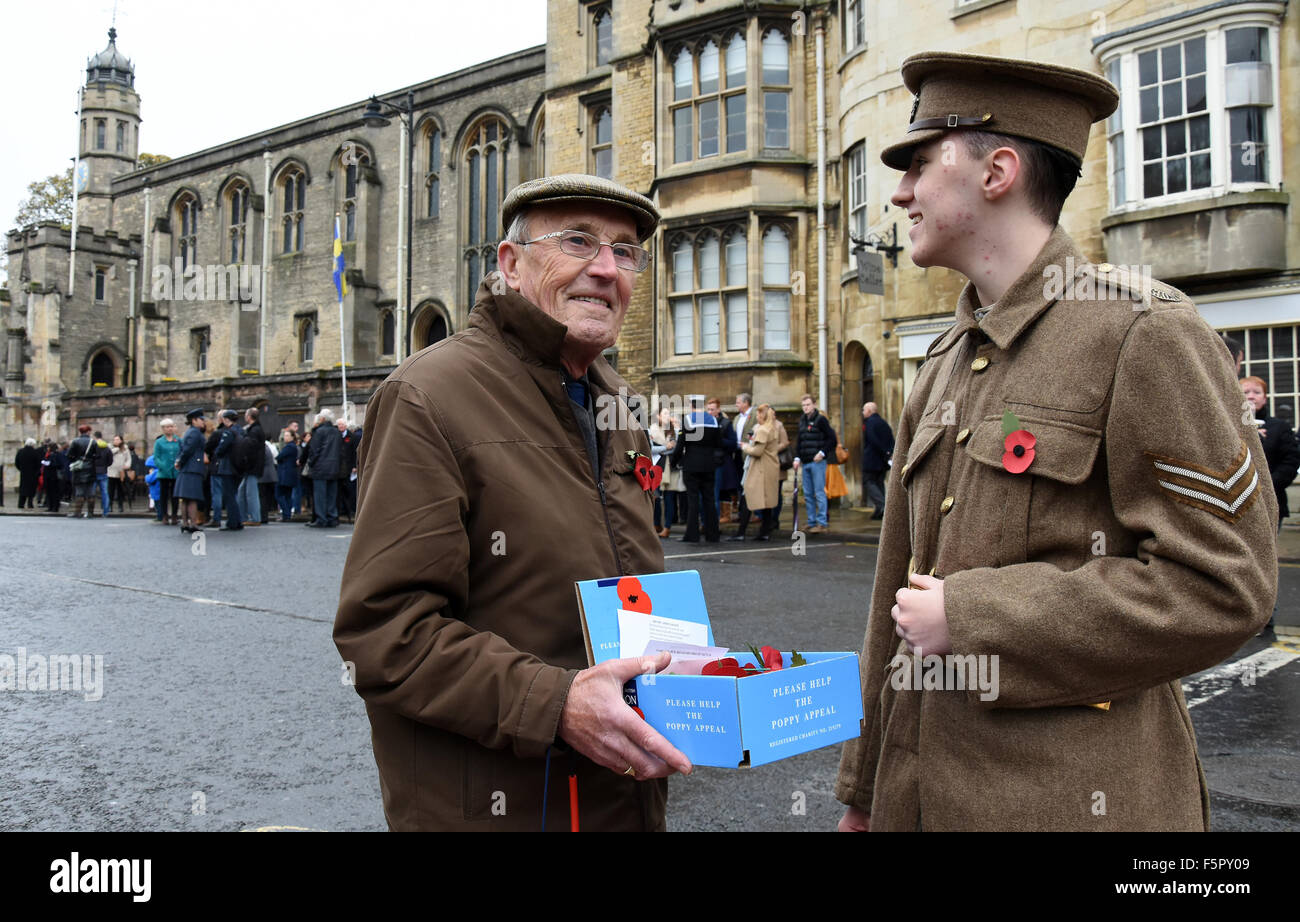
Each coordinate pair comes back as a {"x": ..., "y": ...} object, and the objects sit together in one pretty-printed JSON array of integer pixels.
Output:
[
  {"x": 763, "y": 477},
  {"x": 1081, "y": 514}
]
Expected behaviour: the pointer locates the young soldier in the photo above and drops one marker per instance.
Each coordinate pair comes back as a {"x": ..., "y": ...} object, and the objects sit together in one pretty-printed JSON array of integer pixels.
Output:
[{"x": 1080, "y": 511}]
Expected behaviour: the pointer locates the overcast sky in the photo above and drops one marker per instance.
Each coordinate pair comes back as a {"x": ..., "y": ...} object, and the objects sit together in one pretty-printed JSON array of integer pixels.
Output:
[{"x": 210, "y": 72}]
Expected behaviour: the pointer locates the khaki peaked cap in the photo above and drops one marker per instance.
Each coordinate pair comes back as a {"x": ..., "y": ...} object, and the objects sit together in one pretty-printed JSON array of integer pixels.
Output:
[
  {"x": 1025, "y": 99},
  {"x": 580, "y": 187}
]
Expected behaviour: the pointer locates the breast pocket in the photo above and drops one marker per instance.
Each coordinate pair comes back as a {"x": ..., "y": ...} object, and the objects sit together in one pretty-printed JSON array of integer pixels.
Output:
[{"x": 1044, "y": 506}]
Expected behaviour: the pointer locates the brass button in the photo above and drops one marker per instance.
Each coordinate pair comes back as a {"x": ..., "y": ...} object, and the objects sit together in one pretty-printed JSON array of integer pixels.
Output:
[
  {"x": 980, "y": 363},
  {"x": 946, "y": 505},
  {"x": 905, "y": 467},
  {"x": 1104, "y": 267},
  {"x": 963, "y": 436}
]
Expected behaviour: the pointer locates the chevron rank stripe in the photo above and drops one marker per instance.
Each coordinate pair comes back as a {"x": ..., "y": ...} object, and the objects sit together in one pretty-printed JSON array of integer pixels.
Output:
[{"x": 1227, "y": 493}]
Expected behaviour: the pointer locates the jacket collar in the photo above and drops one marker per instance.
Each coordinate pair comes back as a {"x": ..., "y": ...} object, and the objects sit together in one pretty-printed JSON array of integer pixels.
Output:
[
  {"x": 527, "y": 331},
  {"x": 534, "y": 336},
  {"x": 1025, "y": 300}
]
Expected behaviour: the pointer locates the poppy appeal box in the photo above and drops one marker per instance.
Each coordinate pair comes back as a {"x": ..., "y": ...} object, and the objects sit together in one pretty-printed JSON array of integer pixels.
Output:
[{"x": 720, "y": 720}]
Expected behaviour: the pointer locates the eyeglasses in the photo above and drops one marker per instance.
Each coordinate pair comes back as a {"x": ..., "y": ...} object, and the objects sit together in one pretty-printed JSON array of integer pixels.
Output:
[{"x": 586, "y": 246}]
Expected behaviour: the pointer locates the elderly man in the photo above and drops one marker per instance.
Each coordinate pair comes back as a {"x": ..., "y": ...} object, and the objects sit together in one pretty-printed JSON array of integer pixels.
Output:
[
  {"x": 486, "y": 491},
  {"x": 325, "y": 455}
]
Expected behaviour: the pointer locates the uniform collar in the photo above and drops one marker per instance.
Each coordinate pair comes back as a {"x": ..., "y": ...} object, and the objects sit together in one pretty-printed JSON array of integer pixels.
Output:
[{"x": 1026, "y": 299}]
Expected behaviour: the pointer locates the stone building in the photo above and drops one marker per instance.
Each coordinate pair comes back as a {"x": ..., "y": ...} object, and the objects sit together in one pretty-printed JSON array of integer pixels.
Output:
[
  {"x": 207, "y": 280},
  {"x": 709, "y": 109}
]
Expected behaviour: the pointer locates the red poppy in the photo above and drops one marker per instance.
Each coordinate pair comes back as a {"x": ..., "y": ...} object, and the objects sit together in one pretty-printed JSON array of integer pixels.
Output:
[
  {"x": 772, "y": 658},
  {"x": 633, "y": 597},
  {"x": 1019, "y": 451},
  {"x": 647, "y": 473}
]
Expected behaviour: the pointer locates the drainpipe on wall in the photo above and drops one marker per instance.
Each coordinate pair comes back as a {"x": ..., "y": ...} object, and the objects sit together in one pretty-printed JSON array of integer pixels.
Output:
[
  {"x": 131, "y": 362},
  {"x": 822, "y": 396},
  {"x": 266, "y": 257}
]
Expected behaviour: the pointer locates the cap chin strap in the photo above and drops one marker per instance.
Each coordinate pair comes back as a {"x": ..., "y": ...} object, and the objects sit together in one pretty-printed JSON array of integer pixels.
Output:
[{"x": 951, "y": 121}]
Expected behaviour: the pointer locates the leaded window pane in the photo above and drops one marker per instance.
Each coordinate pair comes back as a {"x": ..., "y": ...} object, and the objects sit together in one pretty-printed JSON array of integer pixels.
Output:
[
  {"x": 776, "y": 58},
  {"x": 709, "y": 68},
  {"x": 709, "y": 328},
  {"x": 709, "y": 262},
  {"x": 737, "y": 259},
  {"x": 737, "y": 320},
  {"x": 776, "y": 319},
  {"x": 683, "y": 276},
  {"x": 709, "y": 128},
  {"x": 776, "y": 120},
  {"x": 682, "y": 75},
  {"x": 735, "y": 122},
  {"x": 683, "y": 326},
  {"x": 736, "y": 61},
  {"x": 776, "y": 257},
  {"x": 682, "y": 134}
]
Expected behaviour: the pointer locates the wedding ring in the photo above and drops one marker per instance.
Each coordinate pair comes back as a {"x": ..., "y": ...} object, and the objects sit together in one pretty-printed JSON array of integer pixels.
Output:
[{"x": 630, "y": 772}]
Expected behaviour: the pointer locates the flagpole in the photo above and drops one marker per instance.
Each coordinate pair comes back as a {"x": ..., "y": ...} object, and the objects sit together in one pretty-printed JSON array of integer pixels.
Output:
[
  {"x": 76, "y": 170},
  {"x": 343, "y": 349}
]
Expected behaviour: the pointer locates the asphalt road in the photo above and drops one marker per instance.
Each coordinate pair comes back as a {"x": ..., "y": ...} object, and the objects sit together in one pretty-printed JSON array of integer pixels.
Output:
[{"x": 220, "y": 704}]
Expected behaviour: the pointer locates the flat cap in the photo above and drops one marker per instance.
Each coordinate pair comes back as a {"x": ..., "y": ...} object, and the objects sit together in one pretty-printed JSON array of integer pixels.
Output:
[
  {"x": 197, "y": 411},
  {"x": 580, "y": 187},
  {"x": 1026, "y": 99}
]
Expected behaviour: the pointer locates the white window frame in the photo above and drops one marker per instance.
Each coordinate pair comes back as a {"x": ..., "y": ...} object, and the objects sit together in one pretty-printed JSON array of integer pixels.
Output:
[{"x": 1212, "y": 24}]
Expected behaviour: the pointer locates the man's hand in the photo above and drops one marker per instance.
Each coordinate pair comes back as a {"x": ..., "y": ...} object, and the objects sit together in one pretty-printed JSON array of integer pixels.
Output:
[
  {"x": 919, "y": 616},
  {"x": 597, "y": 722},
  {"x": 855, "y": 820},
  {"x": 795, "y": 463},
  {"x": 819, "y": 456}
]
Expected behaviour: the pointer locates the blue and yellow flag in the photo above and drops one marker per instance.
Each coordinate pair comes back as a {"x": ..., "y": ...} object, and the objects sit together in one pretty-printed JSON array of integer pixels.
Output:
[{"x": 340, "y": 280}]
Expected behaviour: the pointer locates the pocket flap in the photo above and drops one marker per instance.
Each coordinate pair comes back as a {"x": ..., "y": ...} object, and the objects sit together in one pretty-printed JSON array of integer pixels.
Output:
[
  {"x": 1062, "y": 451},
  {"x": 926, "y": 438}
]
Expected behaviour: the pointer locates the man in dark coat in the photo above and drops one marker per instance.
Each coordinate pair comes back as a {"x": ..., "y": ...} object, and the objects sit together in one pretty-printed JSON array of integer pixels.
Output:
[
  {"x": 223, "y": 455},
  {"x": 698, "y": 454},
  {"x": 250, "y": 500},
  {"x": 28, "y": 462},
  {"x": 325, "y": 455},
  {"x": 56, "y": 475},
  {"x": 83, "y": 449},
  {"x": 877, "y": 446}
]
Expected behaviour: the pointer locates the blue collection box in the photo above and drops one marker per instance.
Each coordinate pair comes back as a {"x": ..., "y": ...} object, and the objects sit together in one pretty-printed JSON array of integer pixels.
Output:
[{"x": 720, "y": 720}]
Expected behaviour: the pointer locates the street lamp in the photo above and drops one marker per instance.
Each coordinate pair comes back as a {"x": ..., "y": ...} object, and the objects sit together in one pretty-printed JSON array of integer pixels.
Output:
[{"x": 374, "y": 117}]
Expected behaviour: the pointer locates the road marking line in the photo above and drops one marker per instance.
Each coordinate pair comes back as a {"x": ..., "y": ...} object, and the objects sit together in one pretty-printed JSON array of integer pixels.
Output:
[
  {"x": 1257, "y": 665},
  {"x": 752, "y": 550},
  {"x": 197, "y": 600}
]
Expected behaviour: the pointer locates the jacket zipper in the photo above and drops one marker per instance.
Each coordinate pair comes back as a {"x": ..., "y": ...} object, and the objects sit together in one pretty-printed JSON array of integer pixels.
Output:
[{"x": 609, "y": 529}]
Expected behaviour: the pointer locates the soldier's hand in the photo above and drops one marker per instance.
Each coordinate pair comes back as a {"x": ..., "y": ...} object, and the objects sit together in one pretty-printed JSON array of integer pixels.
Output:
[
  {"x": 597, "y": 722},
  {"x": 919, "y": 616},
  {"x": 855, "y": 820}
]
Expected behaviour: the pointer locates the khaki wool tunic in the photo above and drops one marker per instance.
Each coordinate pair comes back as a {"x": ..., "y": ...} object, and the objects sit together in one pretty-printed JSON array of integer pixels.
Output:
[{"x": 1137, "y": 548}]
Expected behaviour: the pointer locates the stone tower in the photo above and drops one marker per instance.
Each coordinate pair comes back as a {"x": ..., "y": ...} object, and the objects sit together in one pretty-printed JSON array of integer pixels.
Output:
[{"x": 110, "y": 132}]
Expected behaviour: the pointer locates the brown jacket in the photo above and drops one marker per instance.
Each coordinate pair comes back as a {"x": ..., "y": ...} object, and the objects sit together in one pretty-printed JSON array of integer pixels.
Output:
[
  {"x": 478, "y": 512},
  {"x": 763, "y": 479},
  {"x": 1096, "y": 575}
]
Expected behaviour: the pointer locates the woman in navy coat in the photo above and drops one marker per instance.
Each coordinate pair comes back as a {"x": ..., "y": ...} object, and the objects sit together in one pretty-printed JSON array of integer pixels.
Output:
[{"x": 191, "y": 469}]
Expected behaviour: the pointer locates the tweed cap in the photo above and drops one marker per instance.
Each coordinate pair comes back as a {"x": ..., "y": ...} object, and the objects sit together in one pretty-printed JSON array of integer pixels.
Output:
[
  {"x": 1026, "y": 99},
  {"x": 579, "y": 187}
]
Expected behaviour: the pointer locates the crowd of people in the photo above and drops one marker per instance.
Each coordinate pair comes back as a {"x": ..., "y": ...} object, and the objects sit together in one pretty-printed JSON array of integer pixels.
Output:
[
  {"x": 720, "y": 470},
  {"x": 220, "y": 467}
]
